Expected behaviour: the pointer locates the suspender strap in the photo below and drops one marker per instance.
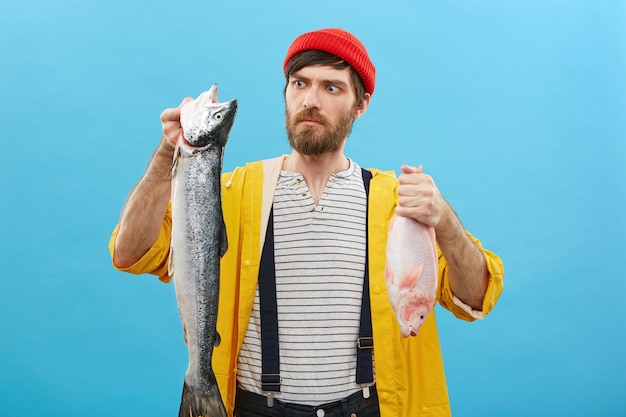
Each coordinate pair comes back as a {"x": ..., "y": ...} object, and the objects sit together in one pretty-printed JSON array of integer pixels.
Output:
[
  {"x": 270, "y": 356},
  {"x": 365, "y": 342},
  {"x": 270, "y": 360}
]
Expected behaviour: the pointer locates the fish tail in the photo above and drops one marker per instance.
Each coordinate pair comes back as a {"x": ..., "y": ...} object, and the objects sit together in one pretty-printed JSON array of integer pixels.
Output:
[{"x": 207, "y": 403}]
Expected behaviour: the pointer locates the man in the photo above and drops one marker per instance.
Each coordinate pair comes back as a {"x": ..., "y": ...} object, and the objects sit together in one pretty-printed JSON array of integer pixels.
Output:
[{"x": 325, "y": 230}]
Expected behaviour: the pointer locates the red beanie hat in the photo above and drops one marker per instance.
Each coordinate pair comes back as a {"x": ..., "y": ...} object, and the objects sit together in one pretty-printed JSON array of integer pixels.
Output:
[{"x": 341, "y": 44}]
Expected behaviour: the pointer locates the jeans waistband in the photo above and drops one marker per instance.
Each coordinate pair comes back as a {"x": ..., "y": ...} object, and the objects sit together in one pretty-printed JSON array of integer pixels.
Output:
[{"x": 249, "y": 404}]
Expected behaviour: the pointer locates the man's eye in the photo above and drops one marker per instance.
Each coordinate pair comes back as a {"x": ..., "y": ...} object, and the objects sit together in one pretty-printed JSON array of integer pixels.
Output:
[
  {"x": 333, "y": 89},
  {"x": 298, "y": 83}
]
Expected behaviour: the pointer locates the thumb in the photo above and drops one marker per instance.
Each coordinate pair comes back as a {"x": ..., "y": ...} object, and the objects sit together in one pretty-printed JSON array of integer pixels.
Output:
[
  {"x": 185, "y": 101},
  {"x": 408, "y": 169}
]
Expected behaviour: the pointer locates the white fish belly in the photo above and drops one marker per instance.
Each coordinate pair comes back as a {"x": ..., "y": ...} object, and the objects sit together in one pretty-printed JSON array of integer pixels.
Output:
[{"x": 411, "y": 272}]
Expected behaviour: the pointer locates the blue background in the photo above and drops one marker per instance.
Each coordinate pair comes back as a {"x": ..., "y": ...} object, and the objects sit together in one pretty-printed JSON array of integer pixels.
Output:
[{"x": 517, "y": 109}]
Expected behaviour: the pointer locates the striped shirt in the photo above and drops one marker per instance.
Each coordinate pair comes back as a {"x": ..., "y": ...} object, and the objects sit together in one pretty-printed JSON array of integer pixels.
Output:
[{"x": 320, "y": 261}]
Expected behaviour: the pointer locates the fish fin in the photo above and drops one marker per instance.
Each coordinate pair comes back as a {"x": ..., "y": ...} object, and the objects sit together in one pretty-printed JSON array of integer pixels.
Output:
[
  {"x": 410, "y": 279},
  {"x": 185, "y": 335},
  {"x": 389, "y": 273},
  {"x": 224, "y": 240},
  {"x": 217, "y": 340},
  {"x": 170, "y": 176},
  {"x": 170, "y": 264},
  {"x": 172, "y": 171},
  {"x": 433, "y": 237},
  {"x": 432, "y": 234},
  {"x": 205, "y": 403}
]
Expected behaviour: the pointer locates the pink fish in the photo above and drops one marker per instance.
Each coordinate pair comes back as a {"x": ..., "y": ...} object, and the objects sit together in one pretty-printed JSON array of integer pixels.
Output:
[{"x": 411, "y": 272}]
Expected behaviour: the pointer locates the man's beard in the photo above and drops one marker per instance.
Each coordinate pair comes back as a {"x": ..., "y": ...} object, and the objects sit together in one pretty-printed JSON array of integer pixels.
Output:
[{"x": 317, "y": 140}]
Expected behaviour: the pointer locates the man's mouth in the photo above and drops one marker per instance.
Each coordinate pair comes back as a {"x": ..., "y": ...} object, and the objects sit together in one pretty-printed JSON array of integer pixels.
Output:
[
  {"x": 310, "y": 121},
  {"x": 308, "y": 117}
]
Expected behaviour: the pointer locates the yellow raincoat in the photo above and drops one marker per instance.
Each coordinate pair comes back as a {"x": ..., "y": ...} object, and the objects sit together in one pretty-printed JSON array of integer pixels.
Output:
[{"x": 410, "y": 377}]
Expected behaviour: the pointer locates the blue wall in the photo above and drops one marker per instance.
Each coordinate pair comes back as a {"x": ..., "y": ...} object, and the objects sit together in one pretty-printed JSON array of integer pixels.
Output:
[{"x": 517, "y": 109}]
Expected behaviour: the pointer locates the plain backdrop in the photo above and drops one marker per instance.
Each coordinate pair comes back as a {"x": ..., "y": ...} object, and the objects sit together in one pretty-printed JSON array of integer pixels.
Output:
[{"x": 517, "y": 110}]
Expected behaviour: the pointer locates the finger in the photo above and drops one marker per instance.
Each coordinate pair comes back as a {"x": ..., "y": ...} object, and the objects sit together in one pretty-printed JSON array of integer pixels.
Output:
[
  {"x": 408, "y": 169},
  {"x": 408, "y": 190},
  {"x": 408, "y": 174},
  {"x": 410, "y": 212},
  {"x": 408, "y": 201},
  {"x": 173, "y": 113},
  {"x": 170, "y": 114},
  {"x": 185, "y": 101}
]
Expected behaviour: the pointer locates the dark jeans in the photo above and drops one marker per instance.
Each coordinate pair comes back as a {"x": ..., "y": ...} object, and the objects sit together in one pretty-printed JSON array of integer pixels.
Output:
[{"x": 248, "y": 404}]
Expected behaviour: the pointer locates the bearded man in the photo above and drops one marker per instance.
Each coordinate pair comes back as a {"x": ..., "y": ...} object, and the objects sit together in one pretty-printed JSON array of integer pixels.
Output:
[{"x": 327, "y": 220}]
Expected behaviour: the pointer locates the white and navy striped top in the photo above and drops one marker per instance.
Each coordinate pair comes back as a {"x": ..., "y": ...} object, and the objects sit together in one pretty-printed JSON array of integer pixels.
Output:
[{"x": 320, "y": 261}]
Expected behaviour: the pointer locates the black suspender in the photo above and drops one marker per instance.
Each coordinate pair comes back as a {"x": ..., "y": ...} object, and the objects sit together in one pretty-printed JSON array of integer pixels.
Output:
[
  {"x": 270, "y": 367},
  {"x": 365, "y": 342},
  {"x": 270, "y": 363}
]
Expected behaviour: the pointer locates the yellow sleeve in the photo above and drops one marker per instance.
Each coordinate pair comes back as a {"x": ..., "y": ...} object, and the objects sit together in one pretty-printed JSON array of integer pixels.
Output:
[
  {"x": 384, "y": 186},
  {"x": 156, "y": 260},
  {"x": 461, "y": 310}
]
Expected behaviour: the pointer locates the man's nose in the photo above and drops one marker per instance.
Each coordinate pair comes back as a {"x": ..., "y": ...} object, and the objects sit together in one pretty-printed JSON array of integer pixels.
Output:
[{"x": 311, "y": 98}]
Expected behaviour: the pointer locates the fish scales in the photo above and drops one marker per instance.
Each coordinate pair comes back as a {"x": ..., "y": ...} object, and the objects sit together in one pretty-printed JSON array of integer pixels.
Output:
[
  {"x": 195, "y": 254},
  {"x": 411, "y": 272},
  {"x": 198, "y": 243}
]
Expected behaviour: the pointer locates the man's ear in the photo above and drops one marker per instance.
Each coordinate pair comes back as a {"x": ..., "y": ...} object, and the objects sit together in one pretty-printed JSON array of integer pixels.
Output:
[{"x": 362, "y": 107}]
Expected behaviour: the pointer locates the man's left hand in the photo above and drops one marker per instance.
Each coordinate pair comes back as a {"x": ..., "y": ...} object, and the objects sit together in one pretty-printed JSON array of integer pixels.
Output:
[{"x": 419, "y": 197}]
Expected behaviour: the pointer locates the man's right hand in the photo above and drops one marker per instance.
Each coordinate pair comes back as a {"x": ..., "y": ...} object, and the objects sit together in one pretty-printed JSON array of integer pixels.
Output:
[{"x": 170, "y": 122}]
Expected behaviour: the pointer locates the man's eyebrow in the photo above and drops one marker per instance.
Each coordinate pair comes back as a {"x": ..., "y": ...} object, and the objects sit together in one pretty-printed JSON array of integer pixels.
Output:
[
  {"x": 329, "y": 81},
  {"x": 339, "y": 83},
  {"x": 298, "y": 76}
]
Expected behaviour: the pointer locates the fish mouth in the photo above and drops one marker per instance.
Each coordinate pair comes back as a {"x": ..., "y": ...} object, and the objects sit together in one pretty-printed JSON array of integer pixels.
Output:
[
  {"x": 213, "y": 94},
  {"x": 410, "y": 331}
]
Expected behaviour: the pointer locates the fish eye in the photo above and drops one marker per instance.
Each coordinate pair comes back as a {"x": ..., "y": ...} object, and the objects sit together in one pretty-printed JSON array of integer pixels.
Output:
[
  {"x": 218, "y": 116},
  {"x": 422, "y": 317}
]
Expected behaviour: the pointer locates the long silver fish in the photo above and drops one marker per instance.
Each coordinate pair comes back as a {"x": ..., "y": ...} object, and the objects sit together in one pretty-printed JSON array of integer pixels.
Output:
[{"x": 198, "y": 243}]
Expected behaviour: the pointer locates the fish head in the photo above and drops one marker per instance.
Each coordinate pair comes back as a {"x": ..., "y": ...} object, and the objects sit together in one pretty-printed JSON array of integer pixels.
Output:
[
  {"x": 413, "y": 310},
  {"x": 206, "y": 121}
]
